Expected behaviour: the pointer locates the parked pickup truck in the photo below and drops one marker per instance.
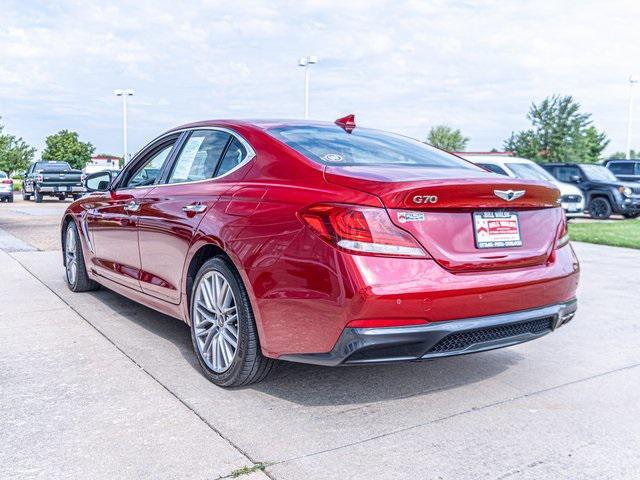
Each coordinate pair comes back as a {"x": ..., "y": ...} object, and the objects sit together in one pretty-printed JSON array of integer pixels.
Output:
[{"x": 55, "y": 179}]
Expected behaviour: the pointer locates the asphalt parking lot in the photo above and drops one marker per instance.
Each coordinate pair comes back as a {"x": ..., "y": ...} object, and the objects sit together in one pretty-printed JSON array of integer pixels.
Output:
[{"x": 96, "y": 386}]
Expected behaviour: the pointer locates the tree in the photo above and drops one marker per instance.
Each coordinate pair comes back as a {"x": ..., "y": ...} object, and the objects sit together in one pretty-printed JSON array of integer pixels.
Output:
[
  {"x": 15, "y": 154},
  {"x": 560, "y": 133},
  {"x": 446, "y": 138},
  {"x": 622, "y": 155},
  {"x": 64, "y": 146}
]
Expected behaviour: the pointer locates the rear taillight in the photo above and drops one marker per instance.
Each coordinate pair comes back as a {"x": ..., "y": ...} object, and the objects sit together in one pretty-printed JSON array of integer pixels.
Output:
[
  {"x": 7, "y": 181},
  {"x": 563, "y": 232},
  {"x": 363, "y": 230},
  {"x": 39, "y": 179}
]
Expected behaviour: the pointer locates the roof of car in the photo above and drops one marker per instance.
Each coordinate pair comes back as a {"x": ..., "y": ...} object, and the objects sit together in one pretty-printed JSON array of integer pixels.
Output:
[
  {"x": 494, "y": 159},
  {"x": 262, "y": 124},
  {"x": 623, "y": 160}
]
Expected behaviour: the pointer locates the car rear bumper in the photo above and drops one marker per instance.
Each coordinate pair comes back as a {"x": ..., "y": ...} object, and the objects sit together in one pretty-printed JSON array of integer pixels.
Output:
[
  {"x": 440, "y": 339},
  {"x": 61, "y": 189}
]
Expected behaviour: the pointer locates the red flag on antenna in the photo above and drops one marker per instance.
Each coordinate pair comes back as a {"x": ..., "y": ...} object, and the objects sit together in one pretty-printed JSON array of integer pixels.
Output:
[{"x": 348, "y": 123}]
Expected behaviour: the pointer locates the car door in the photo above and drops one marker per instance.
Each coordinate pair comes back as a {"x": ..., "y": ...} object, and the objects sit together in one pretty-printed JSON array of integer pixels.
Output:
[
  {"x": 201, "y": 172},
  {"x": 112, "y": 218}
]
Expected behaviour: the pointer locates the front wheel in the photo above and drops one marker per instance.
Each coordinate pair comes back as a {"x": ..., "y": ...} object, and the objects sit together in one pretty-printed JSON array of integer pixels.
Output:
[
  {"x": 600, "y": 208},
  {"x": 223, "y": 329},
  {"x": 75, "y": 268}
]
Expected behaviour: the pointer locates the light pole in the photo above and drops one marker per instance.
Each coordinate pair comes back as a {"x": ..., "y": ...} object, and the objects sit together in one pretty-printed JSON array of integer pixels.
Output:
[
  {"x": 124, "y": 93},
  {"x": 305, "y": 62},
  {"x": 632, "y": 81}
]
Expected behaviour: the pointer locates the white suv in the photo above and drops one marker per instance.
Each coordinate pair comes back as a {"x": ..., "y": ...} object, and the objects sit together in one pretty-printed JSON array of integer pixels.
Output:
[{"x": 570, "y": 195}]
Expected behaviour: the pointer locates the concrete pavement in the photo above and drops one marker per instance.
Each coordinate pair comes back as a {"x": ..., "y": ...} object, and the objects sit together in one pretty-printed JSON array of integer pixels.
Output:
[{"x": 112, "y": 386}]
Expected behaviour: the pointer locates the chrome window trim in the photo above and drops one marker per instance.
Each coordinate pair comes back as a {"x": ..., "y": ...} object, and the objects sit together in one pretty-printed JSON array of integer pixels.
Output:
[{"x": 251, "y": 153}]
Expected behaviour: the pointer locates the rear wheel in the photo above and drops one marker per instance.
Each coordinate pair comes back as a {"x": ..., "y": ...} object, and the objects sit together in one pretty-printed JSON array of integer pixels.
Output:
[
  {"x": 600, "y": 208},
  {"x": 62, "y": 197},
  {"x": 10, "y": 199},
  {"x": 38, "y": 196},
  {"x": 223, "y": 329},
  {"x": 75, "y": 269},
  {"x": 26, "y": 196}
]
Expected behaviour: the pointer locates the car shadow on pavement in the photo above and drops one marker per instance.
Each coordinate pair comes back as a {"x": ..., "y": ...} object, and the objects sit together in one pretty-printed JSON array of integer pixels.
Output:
[{"x": 312, "y": 385}]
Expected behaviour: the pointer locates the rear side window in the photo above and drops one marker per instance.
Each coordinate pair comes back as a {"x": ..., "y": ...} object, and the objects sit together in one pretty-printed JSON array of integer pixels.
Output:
[
  {"x": 622, "y": 168},
  {"x": 564, "y": 174},
  {"x": 233, "y": 157},
  {"x": 52, "y": 166},
  {"x": 199, "y": 156},
  {"x": 331, "y": 145}
]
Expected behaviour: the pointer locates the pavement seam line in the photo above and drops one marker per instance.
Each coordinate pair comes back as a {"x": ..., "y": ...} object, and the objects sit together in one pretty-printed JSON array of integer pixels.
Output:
[
  {"x": 149, "y": 374},
  {"x": 457, "y": 414}
]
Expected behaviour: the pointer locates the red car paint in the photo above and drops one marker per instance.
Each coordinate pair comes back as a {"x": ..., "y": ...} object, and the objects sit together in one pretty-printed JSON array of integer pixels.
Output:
[{"x": 304, "y": 291}]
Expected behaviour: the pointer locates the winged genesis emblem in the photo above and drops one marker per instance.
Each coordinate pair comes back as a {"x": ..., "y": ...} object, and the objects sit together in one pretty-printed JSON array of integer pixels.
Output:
[{"x": 509, "y": 195}]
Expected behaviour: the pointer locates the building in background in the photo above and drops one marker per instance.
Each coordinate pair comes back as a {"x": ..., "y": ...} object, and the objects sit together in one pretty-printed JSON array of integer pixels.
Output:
[{"x": 102, "y": 162}]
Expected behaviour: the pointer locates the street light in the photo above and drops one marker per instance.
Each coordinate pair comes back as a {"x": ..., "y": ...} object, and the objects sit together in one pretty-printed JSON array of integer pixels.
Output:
[
  {"x": 124, "y": 93},
  {"x": 305, "y": 62},
  {"x": 632, "y": 81}
]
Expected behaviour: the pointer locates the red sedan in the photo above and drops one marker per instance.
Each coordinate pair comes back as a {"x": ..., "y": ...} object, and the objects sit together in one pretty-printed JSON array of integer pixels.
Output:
[{"x": 323, "y": 243}]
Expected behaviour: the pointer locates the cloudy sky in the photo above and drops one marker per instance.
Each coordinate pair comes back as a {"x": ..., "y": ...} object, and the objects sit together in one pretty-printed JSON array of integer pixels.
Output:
[{"x": 401, "y": 66}]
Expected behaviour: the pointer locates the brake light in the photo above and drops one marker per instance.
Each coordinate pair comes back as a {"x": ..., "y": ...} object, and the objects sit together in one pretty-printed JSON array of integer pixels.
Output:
[
  {"x": 363, "y": 230},
  {"x": 7, "y": 181},
  {"x": 39, "y": 179},
  {"x": 563, "y": 232}
]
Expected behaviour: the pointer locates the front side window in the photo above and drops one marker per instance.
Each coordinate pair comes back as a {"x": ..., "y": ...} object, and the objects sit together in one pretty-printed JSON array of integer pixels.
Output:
[
  {"x": 149, "y": 172},
  {"x": 331, "y": 145},
  {"x": 598, "y": 173},
  {"x": 199, "y": 156}
]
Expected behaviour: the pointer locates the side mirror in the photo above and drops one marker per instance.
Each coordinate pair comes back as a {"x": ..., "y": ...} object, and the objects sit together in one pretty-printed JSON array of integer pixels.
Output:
[
  {"x": 98, "y": 182},
  {"x": 576, "y": 178}
]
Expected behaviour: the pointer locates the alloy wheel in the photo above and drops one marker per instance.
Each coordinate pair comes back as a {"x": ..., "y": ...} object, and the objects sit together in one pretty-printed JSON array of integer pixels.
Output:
[
  {"x": 71, "y": 256},
  {"x": 216, "y": 321}
]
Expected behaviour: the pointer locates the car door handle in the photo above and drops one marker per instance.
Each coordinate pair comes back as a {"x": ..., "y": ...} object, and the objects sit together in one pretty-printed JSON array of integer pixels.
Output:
[
  {"x": 132, "y": 206},
  {"x": 194, "y": 208}
]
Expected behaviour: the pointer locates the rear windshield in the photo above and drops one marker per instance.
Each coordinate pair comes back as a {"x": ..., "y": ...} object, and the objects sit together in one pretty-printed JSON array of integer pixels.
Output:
[
  {"x": 45, "y": 166},
  {"x": 331, "y": 145}
]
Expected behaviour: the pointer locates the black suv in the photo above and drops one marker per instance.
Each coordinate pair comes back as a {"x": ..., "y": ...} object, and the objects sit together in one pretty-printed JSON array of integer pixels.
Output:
[
  {"x": 625, "y": 170},
  {"x": 604, "y": 194}
]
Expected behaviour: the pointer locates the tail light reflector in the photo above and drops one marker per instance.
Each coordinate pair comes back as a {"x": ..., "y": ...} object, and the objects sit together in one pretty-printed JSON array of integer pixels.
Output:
[
  {"x": 385, "y": 322},
  {"x": 364, "y": 230},
  {"x": 563, "y": 232}
]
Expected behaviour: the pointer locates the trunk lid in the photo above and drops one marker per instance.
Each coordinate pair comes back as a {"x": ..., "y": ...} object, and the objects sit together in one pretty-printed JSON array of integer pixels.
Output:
[{"x": 436, "y": 205}]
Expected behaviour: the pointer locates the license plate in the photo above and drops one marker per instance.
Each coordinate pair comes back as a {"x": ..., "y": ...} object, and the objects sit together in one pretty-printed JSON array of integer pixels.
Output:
[{"x": 496, "y": 229}]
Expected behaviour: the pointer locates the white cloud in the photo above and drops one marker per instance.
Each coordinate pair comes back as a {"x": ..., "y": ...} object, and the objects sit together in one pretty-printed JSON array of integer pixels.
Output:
[{"x": 402, "y": 66}]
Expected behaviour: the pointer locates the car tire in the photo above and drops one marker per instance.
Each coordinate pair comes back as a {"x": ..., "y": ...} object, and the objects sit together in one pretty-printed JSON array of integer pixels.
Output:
[
  {"x": 631, "y": 215},
  {"x": 10, "y": 199},
  {"x": 76, "y": 196},
  {"x": 25, "y": 196},
  {"x": 62, "y": 197},
  {"x": 213, "y": 325},
  {"x": 75, "y": 268},
  {"x": 37, "y": 196},
  {"x": 600, "y": 208}
]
